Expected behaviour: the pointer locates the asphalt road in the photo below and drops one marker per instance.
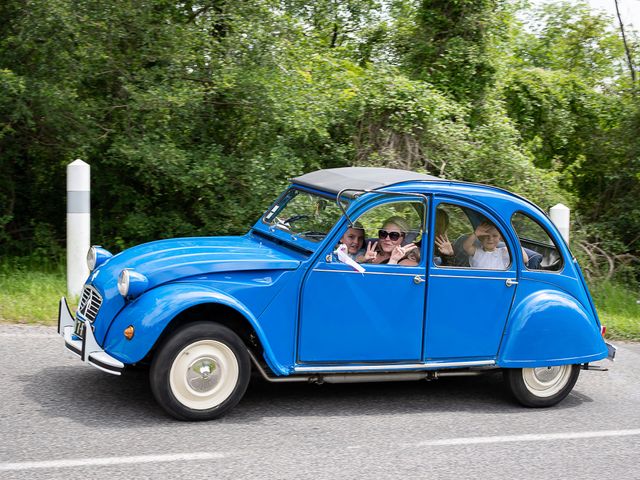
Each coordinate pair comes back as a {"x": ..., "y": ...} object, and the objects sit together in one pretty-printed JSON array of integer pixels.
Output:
[{"x": 60, "y": 418}]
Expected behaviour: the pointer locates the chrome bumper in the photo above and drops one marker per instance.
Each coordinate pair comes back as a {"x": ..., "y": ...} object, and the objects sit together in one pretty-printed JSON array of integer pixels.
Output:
[
  {"x": 86, "y": 348},
  {"x": 611, "y": 351}
]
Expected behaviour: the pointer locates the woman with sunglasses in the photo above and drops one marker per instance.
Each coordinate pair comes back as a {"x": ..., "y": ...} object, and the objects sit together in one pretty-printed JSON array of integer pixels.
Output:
[{"x": 388, "y": 248}]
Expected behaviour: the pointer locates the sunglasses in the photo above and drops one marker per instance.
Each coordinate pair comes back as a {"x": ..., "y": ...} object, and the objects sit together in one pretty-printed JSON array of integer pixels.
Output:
[{"x": 393, "y": 236}]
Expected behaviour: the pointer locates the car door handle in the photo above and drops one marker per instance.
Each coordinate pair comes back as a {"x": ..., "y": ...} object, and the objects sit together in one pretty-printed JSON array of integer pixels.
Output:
[
  {"x": 510, "y": 281},
  {"x": 418, "y": 280}
]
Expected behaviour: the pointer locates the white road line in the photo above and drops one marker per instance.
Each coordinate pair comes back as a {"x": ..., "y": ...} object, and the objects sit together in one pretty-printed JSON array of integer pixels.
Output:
[
  {"x": 534, "y": 437},
  {"x": 96, "y": 462}
]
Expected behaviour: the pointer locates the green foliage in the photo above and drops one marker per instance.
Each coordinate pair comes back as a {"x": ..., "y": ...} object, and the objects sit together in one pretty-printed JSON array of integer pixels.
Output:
[
  {"x": 408, "y": 124},
  {"x": 570, "y": 37},
  {"x": 568, "y": 93},
  {"x": 607, "y": 180},
  {"x": 547, "y": 107},
  {"x": 404, "y": 123},
  {"x": 453, "y": 45},
  {"x": 193, "y": 115}
]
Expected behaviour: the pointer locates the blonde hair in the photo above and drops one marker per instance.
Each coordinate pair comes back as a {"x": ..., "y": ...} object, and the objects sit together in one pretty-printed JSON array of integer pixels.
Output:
[
  {"x": 442, "y": 221},
  {"x": 400, "y": 222}
]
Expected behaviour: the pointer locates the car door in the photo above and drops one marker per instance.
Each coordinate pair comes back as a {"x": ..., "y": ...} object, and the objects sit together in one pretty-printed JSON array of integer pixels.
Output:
[
  {"x": 374, "y": 316},
  {"x": 467, "y": 306}
]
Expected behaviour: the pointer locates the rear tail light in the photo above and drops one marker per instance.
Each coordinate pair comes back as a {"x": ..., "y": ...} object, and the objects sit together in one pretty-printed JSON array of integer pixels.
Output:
[{"x": 603, "y": 330}]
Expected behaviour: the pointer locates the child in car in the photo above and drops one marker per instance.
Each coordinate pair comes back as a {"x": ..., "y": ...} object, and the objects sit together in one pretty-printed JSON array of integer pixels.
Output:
[
  {"x": 353, "y": 238},
  {"x": 488, "y": 255}
]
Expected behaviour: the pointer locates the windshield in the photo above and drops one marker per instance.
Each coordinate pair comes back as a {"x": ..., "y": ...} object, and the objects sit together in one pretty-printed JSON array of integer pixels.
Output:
[{"x": 304, "y": 215}]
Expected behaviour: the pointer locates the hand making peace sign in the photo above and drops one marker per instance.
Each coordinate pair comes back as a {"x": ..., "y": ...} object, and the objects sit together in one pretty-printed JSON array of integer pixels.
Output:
[
  {"x": 371, "y": 253},
  {"x": 399, "y": 252}
]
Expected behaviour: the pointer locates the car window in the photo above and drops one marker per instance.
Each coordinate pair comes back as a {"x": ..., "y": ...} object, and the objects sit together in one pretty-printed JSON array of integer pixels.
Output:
[
  {"x": 303, "y": 214},
  {"x": 543, "y": 253},
  {"x": 388, "y": 227},
  {"x": 466, "y": 238}
]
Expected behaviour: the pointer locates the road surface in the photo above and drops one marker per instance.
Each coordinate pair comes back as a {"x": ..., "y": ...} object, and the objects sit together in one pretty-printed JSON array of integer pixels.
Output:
[{"x": 61, "y": 418}]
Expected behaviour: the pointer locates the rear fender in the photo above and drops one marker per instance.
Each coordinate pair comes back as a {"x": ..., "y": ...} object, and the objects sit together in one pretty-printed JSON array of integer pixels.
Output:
[
  {"x": 152, "y": 312},
  {"x": 549, "y": 327}
]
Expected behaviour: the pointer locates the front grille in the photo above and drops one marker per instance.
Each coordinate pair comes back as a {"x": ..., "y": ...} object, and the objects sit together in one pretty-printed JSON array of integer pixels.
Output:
[{"x": 90, "y": 302}]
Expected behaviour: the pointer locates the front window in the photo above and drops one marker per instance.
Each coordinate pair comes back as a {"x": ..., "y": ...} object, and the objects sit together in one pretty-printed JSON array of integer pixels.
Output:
[
  {"x": 391, "y": 233},
  {"x": 304, "y": 215}
]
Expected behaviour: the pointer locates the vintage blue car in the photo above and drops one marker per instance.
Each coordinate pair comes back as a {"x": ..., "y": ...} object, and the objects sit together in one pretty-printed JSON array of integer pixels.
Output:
[{"x": 351, "y": 275}]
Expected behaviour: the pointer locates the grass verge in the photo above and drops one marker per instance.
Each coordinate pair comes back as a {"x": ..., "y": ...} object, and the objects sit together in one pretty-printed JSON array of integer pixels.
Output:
[
  {"x": 29, "y": 294},
  {"x": 618, "y": 310}
]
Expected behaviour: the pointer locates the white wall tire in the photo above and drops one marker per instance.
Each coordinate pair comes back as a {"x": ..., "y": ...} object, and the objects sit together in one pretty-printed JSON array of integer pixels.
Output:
[
  {"x": 543, "y": 386},
  {"x": 200, "y": 372},
  {"x": 204, "y": 374}
]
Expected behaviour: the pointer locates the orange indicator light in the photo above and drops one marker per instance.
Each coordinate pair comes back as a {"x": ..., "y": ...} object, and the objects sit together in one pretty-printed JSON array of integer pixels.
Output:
[{"x": 128, "y": 332}]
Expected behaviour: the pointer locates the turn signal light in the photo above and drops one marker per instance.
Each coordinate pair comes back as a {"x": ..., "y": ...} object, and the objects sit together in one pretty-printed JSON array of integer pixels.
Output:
[{"x": 128, "y": 332}]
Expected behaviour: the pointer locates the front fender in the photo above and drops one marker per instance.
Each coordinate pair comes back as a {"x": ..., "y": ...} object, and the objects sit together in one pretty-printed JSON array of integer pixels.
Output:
[
  {"x": 549, "y": 327},
  {"x": 151, "y": 313}
]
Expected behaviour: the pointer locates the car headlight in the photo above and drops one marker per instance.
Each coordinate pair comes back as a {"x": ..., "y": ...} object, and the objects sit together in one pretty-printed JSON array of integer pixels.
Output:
[
  {"x": 131, "y": 283},
  {"x": 96, "y": 256},
  {"x": 123, "y": 283}
]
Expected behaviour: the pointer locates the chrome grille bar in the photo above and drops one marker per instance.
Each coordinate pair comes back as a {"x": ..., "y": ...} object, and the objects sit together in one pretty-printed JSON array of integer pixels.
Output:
[{"x": 90, "y": 302}]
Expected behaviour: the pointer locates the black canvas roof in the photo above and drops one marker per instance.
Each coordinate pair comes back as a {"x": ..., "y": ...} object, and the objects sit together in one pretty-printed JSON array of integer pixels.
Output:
[{"x": 359, "y": 178}]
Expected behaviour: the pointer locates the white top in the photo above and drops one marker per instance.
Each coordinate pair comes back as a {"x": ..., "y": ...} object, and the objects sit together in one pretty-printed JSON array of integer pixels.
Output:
[
  {"x": 78, "y": 176},
  {"x": 497, "y": 259}
]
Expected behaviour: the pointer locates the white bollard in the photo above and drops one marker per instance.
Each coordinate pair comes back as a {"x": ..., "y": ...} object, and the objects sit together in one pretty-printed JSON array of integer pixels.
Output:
[
  {"x": 78, "y": 225},
  {"x": 560, "y": 215}
]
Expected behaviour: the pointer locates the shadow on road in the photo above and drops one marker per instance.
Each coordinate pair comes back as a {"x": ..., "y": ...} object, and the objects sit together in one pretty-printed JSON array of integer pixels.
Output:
[
  {"x": 485, "y": 394},
  {"x": 93, "y": 398},
  {"x": 86, "y": 395}
]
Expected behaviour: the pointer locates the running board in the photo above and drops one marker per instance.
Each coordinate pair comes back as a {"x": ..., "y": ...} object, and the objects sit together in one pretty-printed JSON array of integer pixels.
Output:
[
  {"x": 364, "y": 377},
  {"x": 393, "y": 368}
]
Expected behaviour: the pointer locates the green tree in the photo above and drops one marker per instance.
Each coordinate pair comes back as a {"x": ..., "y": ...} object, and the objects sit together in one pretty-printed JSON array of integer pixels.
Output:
[{"x": 455, "y": 45}]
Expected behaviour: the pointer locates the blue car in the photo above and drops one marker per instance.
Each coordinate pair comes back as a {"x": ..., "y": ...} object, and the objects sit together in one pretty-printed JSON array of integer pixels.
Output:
[{"x": 351, "y": 275}]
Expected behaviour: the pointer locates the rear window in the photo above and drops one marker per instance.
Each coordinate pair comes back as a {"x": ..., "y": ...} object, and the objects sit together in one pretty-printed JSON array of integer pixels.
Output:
[{"x": 542, "y": 251}]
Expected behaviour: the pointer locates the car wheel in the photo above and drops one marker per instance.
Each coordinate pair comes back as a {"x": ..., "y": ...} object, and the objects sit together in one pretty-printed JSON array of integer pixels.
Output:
[
  {"x": 542, "y": 386},
  {"x": 200, "y": 372}
]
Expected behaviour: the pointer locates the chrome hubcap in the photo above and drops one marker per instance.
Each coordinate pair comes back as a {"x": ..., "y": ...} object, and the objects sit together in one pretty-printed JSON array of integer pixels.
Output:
[
  {"x": 546, "y": 381},
  {"x": 203, "y": 375},
  {"x": 546, "y": 374}
]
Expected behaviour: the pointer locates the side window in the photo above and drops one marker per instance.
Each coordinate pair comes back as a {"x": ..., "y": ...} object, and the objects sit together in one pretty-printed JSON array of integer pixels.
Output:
[
  {"x": 391, "y": 234},
  {"x": 465, "y": 238},
  {"x": 541, "y": 250}
]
